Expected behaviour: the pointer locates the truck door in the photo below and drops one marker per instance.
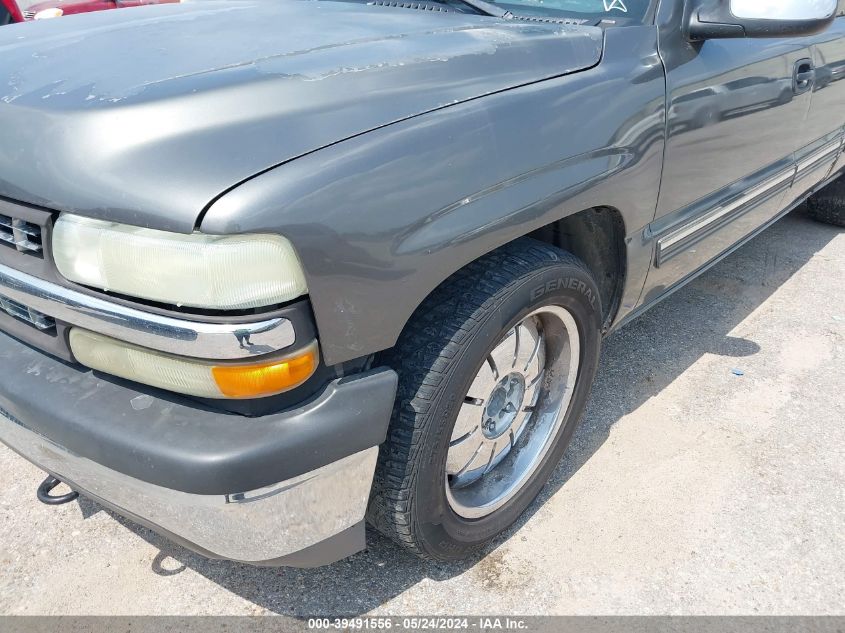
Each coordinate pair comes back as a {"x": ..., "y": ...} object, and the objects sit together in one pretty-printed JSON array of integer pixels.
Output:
[
  {"x": 735, "y": 120},
  {"x": 826, "y": 118}
]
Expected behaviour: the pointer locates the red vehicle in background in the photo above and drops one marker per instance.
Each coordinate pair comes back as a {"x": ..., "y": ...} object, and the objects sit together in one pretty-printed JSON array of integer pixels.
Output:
[
  {"x": 12, "y": 11},
  {"x": 9, "y": 12}
]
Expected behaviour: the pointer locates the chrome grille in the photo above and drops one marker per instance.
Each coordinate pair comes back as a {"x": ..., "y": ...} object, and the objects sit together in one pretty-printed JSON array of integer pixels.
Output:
[
  {"x": 29, "y": 15},
  {"x": 33, "y": 317},
  {"x": 20, "y": 234}
]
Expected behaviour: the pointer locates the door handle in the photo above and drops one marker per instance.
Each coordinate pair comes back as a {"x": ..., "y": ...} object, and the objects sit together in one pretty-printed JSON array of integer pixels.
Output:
[{"x": 804, "y": 76}]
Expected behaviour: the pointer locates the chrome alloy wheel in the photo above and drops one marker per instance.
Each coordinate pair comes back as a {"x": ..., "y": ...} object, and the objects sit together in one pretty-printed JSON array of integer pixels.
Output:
[{"x": 512, "y": 412}]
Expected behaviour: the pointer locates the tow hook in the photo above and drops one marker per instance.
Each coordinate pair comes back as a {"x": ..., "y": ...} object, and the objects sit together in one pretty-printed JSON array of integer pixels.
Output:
[{"x": 47, "y": 486}]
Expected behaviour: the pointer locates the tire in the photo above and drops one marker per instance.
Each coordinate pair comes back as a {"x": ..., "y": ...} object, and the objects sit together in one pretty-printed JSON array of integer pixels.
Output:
[
  {"x": 828, "y": 205},
  {"x": 442, "y": 354}
]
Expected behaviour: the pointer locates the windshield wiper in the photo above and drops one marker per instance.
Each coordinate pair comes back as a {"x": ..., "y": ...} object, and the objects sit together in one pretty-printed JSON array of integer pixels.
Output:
[{"x": 488, "y": 8}]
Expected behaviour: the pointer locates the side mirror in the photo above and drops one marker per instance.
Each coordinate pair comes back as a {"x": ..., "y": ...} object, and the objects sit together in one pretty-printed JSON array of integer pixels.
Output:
[{"x": 715, "y": 19}]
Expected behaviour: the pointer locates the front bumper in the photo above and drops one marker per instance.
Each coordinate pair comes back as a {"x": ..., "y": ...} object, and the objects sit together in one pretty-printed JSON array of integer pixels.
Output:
[
  {"x": 269, "y": 526},
  {"x": 283, "y": 489}
]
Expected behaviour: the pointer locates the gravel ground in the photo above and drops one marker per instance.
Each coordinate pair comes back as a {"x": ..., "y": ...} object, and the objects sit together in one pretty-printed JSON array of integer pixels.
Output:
[{"x": 689, "y": 489}]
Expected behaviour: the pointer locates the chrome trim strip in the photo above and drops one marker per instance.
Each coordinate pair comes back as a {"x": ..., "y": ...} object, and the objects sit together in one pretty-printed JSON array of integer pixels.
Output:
[
  {"x": 718, "y": 213},
  {"x": 816, "y": 157},
  {"x": 279, "y": 520},
  {"x": 221, "y": 341}
]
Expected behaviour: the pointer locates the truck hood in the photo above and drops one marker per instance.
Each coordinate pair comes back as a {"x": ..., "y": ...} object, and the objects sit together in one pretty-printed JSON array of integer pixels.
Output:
[{"x": 146, "y": 115}]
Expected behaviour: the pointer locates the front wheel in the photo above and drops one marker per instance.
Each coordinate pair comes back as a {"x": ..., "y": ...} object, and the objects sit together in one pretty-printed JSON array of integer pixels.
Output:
[{"x": 494, "y": 373}]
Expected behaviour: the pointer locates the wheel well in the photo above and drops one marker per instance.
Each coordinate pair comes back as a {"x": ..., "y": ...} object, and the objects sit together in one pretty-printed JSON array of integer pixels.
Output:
[{"x": 597, "y": 237}]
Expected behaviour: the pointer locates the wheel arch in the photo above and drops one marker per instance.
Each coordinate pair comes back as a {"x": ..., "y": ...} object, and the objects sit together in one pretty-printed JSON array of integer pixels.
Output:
[{"x": 596, "y": 236}]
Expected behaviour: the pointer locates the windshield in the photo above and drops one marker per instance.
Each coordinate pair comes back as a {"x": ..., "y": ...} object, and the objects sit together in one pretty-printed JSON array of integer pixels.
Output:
[{"x": 634, "y": 10}]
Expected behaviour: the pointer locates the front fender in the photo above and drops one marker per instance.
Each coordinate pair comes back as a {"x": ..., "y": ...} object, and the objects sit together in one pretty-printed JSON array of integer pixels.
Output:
[{"x": 382, "y": 219}]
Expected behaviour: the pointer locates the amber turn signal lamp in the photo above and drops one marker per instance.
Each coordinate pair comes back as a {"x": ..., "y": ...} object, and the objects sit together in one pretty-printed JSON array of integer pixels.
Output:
[{"x": 255, "y": 381}]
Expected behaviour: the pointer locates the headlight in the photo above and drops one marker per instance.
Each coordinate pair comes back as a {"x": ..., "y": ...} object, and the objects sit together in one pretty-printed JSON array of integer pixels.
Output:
[
  {"x": 199, "y": 271},
  {"x": 189, "y": 376},
  {"x": 46, "y": 14}
]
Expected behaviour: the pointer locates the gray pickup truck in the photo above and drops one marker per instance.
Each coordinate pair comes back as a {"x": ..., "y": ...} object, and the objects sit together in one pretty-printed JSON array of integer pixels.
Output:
[{"x": 270, "y": 270}]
